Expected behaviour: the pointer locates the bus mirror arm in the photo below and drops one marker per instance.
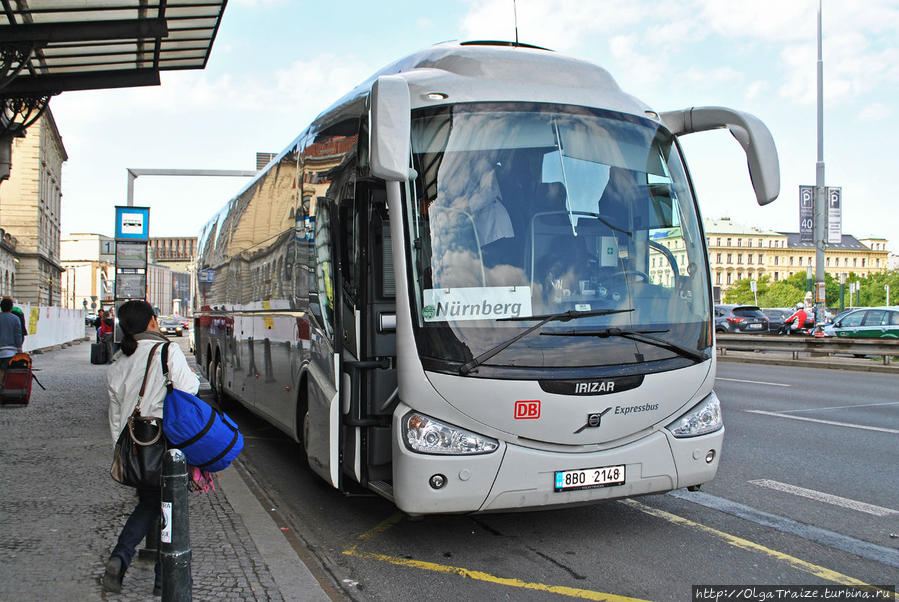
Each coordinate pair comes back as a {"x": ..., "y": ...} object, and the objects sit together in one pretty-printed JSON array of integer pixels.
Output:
[
  {"x": 391, "y": 113},
  {"x": 750, "y": 132}
]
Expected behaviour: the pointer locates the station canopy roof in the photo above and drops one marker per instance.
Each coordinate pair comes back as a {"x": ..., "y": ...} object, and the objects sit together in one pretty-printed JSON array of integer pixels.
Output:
[{"x": 52, "y": 46}]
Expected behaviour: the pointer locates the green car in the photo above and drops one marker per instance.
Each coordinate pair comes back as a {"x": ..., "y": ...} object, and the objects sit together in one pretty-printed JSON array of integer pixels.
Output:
[{"x": 870, "y": 322}]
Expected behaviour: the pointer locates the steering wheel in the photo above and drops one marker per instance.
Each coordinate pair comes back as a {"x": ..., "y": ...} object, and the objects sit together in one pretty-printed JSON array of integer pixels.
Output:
[{"x": 633, "y": 273}]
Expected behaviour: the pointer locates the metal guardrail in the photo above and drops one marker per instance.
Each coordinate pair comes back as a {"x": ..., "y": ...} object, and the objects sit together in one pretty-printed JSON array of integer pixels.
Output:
[{"x": 886, "y": 348}]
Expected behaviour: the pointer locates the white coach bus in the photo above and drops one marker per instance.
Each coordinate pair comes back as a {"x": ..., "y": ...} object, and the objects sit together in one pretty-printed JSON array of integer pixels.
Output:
[{"x": 478, "y": 282}]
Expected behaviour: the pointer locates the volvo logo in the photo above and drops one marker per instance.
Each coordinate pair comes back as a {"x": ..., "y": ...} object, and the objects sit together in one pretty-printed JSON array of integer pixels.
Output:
[{"x": 594, "y": 419}]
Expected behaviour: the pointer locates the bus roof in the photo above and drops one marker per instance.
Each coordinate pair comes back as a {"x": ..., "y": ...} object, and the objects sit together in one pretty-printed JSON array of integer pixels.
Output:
[
  {"x": 484, "y": 71},
  {"x": 499, "y": 71}
]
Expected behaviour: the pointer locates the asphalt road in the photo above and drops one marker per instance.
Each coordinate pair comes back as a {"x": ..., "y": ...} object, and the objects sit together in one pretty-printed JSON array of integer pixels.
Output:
[{"x": 806, "y": 494}]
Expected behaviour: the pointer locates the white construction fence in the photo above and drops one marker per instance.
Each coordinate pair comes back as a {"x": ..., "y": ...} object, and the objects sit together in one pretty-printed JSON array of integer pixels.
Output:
[{"x": 49, "y": 326}]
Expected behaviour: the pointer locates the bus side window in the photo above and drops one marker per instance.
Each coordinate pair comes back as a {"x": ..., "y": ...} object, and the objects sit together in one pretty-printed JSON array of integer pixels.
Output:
[
  {"x": 321, "y": 300},
  {"x": 350, "y": 248}
]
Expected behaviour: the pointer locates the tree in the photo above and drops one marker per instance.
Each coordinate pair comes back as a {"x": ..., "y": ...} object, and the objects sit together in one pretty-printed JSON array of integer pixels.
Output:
[
  {"x": 872, "y": 288},
  {"x": 741, "y": 291},
  {"x": 790, "y": 291},
  {"x": 782, "y": 293}
]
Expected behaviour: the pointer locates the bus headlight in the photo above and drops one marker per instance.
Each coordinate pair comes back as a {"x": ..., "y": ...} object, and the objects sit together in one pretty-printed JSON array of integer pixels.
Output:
[
  {"x": 704, "y": 417},
  {"x": 427, "y": 435}
]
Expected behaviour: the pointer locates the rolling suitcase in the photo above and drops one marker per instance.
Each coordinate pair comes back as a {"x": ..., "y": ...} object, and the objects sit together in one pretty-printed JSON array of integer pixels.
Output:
[
  {"x": 17, "y": 383},
  {"x": 98, "y": 353}
]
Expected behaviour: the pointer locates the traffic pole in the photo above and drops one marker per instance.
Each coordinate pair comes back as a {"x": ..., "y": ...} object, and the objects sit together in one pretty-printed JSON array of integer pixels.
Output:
[{"x": 174, "y": 539}]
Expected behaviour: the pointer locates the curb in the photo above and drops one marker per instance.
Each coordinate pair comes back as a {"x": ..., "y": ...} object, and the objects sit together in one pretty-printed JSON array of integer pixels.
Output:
[
  {"x": 41, "y": 350},
  {"x": 293, "y": 578}
]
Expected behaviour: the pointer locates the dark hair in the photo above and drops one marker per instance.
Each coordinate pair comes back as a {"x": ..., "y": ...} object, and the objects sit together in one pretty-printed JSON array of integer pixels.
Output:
[
  {"x": 134, "y": 317},
  {"x": 6, "y": 304}
]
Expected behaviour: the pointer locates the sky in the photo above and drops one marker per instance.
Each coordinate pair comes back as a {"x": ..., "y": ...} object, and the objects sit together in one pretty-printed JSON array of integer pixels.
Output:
[{"x": 276, "y": 64}]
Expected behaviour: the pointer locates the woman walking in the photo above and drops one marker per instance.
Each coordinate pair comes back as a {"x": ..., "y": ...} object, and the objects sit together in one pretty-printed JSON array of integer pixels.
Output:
[{"x": 125, "y": 377}]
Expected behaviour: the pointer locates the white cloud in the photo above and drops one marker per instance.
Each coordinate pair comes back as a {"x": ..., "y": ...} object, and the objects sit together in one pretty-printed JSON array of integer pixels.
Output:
[
  {"x": 771, "y": 20},
  {"x": 556, "y": 24},
  {"x": 715, "y": 76},
  {"x": 876, "y": 111},
  {"x": 853, "y": 66},
  {"x": 644, "y": 68},
  {"x": 306, "y": 86},
  {"x": 757, "y": 89}
]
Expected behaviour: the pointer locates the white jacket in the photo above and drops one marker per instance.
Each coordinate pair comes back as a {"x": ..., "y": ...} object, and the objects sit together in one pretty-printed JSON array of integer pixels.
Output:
[{"x": 126, "y": 374}]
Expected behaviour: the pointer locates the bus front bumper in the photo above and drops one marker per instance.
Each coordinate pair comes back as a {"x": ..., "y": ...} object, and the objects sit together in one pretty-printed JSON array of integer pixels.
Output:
[{"x": 515, "y": 477}]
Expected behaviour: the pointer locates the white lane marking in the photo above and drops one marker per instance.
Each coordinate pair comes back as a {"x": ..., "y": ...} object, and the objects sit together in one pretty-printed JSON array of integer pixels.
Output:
[
  {"x": 879, "y": 429},
  {"x": 825, "y": 497},
  {"x": 862, "y": 405},
  {"x": 754, "y": 382}
]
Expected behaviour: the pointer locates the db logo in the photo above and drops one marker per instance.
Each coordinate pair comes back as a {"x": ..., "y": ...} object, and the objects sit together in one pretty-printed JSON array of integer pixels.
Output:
[{"x": 527, "y": 410}]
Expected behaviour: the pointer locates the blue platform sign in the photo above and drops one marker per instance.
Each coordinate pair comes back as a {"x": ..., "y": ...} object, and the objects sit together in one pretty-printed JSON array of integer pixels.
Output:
[{"x": 132, "y": 223}]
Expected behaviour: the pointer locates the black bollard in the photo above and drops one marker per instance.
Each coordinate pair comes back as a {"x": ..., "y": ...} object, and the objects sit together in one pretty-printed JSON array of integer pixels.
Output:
[{"x": 174, "y": 540}]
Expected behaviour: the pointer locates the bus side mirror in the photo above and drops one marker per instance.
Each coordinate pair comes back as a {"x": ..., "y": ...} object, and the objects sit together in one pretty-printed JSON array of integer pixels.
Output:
[
  {"x": 390, "y": 128},
  {"x": 750, "y": 132}
]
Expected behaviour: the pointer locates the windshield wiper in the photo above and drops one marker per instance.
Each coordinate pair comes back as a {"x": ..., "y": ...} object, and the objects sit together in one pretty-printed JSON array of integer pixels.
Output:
[
  {"x": 641, "y": 336},
  {"x": 563, "y": 316}
]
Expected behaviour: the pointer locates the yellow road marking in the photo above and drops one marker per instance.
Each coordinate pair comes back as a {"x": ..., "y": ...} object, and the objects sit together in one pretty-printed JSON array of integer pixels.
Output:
[
  {"x": 585, "y": 594},
  {"x": 573, "y": 592},
  {"x": 796, "y": 563},
  {"x": 379, "y": 528}
]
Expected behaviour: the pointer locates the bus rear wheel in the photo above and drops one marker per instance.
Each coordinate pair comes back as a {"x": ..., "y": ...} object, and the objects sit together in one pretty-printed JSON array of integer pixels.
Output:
[{"x": 217, "y": 382}]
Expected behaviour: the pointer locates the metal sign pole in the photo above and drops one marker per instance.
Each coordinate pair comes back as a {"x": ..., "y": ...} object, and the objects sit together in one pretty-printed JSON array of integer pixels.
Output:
[{"x": 820, "y": 193}]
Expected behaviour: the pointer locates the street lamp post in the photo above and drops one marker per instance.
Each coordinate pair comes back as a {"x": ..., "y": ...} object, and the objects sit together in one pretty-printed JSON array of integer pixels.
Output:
[{"x": 820, "y": 230}]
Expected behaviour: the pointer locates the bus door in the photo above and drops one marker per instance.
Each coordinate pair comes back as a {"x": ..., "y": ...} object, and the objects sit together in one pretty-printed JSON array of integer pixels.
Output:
[
  {"x": 352, "y": 384},
  {"x": 368, "y": 316},
  {"x": 321, "y": 425}
]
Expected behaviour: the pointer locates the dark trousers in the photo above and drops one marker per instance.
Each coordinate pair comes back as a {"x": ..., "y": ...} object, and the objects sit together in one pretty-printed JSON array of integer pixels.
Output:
[
  {"x": 110, "y": 348},
  {"x": 144, "y": 517}
]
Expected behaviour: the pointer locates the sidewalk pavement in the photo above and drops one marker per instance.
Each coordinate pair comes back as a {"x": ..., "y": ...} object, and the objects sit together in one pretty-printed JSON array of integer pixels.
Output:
[{"x": 60, "y": 512}]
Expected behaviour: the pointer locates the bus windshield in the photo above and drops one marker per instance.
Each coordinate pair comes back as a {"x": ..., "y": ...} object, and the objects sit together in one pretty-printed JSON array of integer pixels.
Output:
[{"x": 526, "y": 210}]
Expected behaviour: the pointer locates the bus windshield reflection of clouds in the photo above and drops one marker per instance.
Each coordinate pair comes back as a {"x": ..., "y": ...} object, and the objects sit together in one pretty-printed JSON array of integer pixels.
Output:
[{"x": 534, "y": 209}]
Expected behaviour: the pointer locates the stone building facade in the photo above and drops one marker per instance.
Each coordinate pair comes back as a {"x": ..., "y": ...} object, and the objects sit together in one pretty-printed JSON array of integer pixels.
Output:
[
  {"x": 30, "y": 203},
  {"x": 738, "y": 251},
  {"x": 89, "y": 263},
  {"x": 8, "y": 261},
  {"x": 176, "y": 252}
]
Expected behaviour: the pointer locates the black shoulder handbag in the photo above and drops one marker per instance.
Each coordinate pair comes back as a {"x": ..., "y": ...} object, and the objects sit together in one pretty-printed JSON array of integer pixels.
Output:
[{"x": 137, "y": 460}]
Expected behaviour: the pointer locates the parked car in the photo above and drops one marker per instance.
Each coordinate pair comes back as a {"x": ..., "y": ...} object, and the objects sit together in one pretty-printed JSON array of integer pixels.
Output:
[
  {"x": 740, "y": 319},
  {"x": 171, "y": 326},
  {"x": 90, "y": 318},
  {"x": 827, "y": 329},
  {"x": 776, "y": 317},
  {"x": 868, "y": 322}
]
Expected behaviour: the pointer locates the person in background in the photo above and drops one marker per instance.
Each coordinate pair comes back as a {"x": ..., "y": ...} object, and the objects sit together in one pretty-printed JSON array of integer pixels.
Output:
[
  {"x": 797, "y": 320},
  {"x": 18, "y": 311},
  {"x": 98, "y": 323},
  {"x": 107, "y": 333},
  {"x": 11, "y": 337},
  {"x": 140, "y": 333}
]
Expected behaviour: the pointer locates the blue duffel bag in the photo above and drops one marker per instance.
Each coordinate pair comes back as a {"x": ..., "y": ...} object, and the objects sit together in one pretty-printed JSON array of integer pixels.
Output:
[{"x": 209, "y": 439}]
